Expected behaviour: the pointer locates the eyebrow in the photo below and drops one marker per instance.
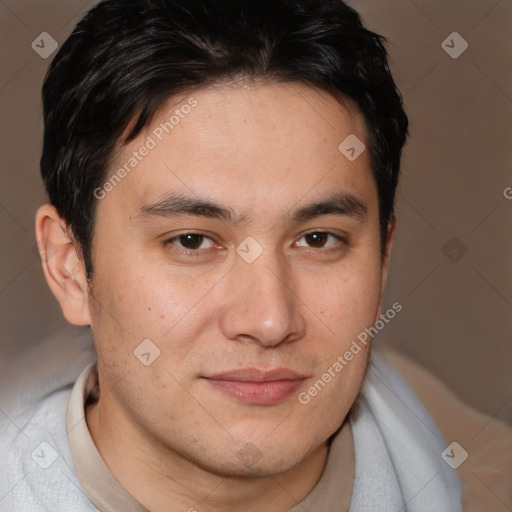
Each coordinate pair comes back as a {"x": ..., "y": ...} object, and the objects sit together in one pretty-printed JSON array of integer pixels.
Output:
[{"x": 176, "y": 205}]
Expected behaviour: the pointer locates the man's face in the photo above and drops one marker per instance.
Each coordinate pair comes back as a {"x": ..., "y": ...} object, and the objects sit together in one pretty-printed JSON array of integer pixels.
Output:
[{"x": 234, "y": 300}]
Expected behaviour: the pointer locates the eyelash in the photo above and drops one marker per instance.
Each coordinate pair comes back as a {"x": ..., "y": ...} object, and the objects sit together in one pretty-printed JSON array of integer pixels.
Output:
[{"x": 198, "y": 253}]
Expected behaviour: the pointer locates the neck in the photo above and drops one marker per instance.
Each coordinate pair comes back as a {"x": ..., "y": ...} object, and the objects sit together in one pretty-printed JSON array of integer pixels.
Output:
[{"x": 161, "y": 479}]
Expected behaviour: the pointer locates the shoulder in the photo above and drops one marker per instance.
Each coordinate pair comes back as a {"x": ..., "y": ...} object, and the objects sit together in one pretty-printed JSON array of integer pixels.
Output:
[
  {"x": 486, "y": 473},
  {"x": 37, "y": 472},
  {"x": 36, "y": 468}
]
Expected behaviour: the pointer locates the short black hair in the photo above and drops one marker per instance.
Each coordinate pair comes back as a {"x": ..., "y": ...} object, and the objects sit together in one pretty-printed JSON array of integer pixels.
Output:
[{"x": 126, "y": 58}]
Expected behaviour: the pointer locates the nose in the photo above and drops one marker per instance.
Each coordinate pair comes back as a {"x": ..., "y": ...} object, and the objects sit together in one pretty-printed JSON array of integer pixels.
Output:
[{"x": 261, "y": 305}]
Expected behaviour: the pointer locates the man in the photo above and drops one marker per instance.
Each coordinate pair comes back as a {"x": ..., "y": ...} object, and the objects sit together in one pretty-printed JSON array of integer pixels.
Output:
[{"x": 221, "y": 179}]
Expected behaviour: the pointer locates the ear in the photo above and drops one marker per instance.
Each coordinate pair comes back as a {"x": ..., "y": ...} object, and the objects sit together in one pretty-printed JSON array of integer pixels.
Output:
[
  {"x": 390, "y": 238},
  {"x": 63, "y": 267}
]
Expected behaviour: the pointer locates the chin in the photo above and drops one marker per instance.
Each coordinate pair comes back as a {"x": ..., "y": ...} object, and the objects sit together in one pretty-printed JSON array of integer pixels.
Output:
[
  {"x": 245, "y": 460},
  {"x": 264, "y": 468}
]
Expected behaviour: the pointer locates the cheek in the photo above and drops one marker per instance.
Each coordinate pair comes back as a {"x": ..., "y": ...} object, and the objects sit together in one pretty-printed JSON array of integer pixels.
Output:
[
  {"x": 330, "y": 395},
  {"x": 140, "y": 301},
  {"x": 351, "y": 300},
  {"x": 137, "y": 303}
]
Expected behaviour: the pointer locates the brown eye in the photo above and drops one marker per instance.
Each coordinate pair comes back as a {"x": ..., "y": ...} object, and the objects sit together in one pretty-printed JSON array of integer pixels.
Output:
[
  {"x": 190, "y": 243},
  {"x": 190, "y": 240},
  {"x": 319, "y": 239}
]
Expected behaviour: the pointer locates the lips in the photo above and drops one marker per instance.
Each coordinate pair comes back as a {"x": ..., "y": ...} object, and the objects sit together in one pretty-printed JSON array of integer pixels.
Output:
[
  {"x": 255, "y": 386},
  {"x": 255, "y": 375}
]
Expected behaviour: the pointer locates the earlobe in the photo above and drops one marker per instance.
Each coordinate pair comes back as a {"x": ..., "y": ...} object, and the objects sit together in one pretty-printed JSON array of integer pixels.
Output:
[{"x": 62, "y": 265}]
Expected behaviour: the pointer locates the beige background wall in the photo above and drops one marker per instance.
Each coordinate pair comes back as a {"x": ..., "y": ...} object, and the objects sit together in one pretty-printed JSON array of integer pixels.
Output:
[{"x": 457, "y": 298}]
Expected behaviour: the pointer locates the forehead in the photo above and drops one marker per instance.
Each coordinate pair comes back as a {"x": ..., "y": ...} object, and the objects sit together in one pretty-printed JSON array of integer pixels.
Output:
[{"x": 249, "y": 146}]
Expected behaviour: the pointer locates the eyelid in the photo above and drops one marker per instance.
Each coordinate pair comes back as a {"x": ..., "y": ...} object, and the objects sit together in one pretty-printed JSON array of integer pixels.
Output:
[
  {"x": 343, "y": 239},
  {"x": 178, "y": 249}
]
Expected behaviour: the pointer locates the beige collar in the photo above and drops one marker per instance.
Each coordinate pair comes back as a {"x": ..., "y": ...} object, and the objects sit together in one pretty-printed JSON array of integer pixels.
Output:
[{"x": 332, "y": 491}]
